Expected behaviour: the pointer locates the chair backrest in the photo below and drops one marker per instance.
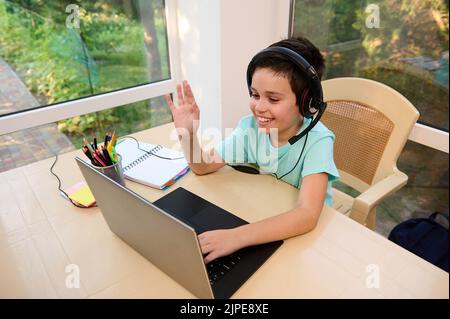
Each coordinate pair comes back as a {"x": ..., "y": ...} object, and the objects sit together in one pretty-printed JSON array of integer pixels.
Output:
[{"x": 372, "y": 123}]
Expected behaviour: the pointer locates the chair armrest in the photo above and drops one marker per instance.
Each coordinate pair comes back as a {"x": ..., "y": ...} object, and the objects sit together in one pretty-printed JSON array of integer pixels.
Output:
[{"x": 368, "y": 200}]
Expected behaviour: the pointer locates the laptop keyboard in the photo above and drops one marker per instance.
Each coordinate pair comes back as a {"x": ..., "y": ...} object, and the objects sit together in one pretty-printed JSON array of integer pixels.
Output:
[{"x": 220, "y": 266}]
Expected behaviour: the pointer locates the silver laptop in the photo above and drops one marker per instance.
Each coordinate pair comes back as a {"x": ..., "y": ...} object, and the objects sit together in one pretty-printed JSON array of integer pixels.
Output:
[{"x": 165, "y": 232}]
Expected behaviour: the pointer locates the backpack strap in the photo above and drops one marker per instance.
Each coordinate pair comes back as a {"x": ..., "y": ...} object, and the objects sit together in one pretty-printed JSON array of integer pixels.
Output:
[{"x": 435, "y": 214}]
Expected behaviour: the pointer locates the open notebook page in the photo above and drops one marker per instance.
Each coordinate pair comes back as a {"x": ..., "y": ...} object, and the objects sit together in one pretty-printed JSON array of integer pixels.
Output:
[{"x": 146, "y": 168}]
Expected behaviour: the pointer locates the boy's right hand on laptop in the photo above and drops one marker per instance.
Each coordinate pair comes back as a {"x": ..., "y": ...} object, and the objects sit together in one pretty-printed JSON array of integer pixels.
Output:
[
  {"x": 187, "y": 114},
  {"x": 218, "y": 243}
]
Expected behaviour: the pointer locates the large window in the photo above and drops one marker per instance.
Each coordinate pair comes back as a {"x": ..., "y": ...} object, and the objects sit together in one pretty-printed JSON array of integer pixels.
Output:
[
  {"x": 58, "y": 51},
  {"x": 64, "y": 50},
  {"x": 404, "y": 44}
]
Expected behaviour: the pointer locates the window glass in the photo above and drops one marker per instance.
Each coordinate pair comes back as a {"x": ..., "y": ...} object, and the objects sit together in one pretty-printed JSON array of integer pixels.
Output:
[
  {"x": 58, "y": 50},
  {"x": 403, "y": 44},
  {"x": 54, "y": 51}
]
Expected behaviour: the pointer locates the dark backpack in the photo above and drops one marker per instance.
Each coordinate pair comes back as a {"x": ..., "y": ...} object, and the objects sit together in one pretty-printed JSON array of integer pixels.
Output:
[{"x": 424, "y": 237}]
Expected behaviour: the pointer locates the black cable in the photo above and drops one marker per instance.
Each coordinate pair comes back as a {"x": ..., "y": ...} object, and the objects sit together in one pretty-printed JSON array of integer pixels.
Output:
[
  {"x": 301, "y": 153},
  {"x": 63, "y": 193},
  {"x": 149, "y": 152}
]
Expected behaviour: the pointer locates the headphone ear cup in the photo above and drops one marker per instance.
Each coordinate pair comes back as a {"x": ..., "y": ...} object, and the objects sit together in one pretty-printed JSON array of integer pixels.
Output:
[{"x": 305, "y": 101}]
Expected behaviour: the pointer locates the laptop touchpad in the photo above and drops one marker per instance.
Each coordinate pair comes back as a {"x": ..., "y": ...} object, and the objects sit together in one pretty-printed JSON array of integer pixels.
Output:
[{"x": 213, "y": 217}]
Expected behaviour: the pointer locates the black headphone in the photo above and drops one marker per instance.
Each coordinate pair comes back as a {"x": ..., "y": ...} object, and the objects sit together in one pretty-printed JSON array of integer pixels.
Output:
[{"x": 310, "y": 102}]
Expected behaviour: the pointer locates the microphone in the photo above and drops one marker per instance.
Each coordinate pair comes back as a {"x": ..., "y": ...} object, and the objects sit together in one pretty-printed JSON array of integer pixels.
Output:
[{"x": 296, "y": 138}]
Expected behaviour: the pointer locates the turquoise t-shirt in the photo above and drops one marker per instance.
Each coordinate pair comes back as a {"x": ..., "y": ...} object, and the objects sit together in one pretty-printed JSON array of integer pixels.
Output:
[{"x": 247, "y": 144}]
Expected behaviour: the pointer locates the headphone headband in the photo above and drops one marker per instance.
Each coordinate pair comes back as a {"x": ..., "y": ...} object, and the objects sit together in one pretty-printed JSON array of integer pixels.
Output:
[
  {"x": 316, "y": 102},
  {"x": 295, "y": 58}
]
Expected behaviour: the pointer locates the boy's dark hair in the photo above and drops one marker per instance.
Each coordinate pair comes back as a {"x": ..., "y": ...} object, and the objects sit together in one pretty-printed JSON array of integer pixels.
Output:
[{"x": 297, "y": 79}]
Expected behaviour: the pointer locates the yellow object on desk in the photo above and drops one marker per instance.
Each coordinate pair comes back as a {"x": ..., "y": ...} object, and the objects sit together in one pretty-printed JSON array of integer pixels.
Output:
[{"x": 81, "y": 194}]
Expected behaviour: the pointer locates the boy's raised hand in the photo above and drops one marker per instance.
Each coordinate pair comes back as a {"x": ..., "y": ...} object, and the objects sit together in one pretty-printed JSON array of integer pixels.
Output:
[{"x": 187, "y": 114}]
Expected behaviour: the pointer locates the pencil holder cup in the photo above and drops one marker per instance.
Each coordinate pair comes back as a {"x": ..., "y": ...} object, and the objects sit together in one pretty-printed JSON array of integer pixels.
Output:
[{"x": 115, "y": 171}]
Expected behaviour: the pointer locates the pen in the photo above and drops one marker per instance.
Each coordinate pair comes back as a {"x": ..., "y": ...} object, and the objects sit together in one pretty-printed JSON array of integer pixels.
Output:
[
  {"x": 88, "y": 155},
  {"x": 109, "y": 148},
  {"x": 88, "y": 145},
  {"x": 107, "y": 157},
  {"x": 113, "y": 148},
  {"x": 100, "y": 155},
  {"x": 99, "y": 160},
  {"x": 113, "y": 139},
  {"x": 91, "y": 152},
  {"x": 95, "y": 142},
  {"x": 106, "y": 140}
]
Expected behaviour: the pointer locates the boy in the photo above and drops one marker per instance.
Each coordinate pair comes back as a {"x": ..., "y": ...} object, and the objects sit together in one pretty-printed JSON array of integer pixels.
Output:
[{"x": 276, "y": 88}]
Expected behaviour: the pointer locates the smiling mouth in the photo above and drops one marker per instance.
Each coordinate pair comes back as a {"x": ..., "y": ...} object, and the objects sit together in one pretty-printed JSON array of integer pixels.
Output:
[{"x": 263, "y": 120}]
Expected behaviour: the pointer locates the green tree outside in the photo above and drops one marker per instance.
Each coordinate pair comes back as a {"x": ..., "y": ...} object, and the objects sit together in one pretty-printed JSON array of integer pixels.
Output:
[{"x": 111, "y": 50}]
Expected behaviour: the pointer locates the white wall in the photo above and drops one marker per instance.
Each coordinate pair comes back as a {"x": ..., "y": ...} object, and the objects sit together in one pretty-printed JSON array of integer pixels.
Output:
[
  {"x": 217, "y": 40},
  {"x": 200, "y": 54},
  {"x": 246, "y": 28}
]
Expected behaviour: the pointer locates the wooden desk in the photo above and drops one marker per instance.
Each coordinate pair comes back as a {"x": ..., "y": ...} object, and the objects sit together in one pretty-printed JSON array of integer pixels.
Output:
[{"x": 42, "y": 236}]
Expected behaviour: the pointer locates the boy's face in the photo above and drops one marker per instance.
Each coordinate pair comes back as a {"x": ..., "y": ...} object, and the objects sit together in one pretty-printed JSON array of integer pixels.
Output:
[{"x": 274, "y": 104}]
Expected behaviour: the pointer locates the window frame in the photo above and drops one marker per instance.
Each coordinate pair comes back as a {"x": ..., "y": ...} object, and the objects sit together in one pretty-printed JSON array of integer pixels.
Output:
[{"x": 59, "y": 111}]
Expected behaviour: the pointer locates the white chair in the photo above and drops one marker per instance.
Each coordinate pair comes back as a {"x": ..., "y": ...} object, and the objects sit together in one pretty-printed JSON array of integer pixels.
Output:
[{"x": 372, "y": 123}]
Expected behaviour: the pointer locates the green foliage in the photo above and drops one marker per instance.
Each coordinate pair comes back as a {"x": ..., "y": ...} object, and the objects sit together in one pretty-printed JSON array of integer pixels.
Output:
[
  {"x": 113, "y": 37},
  {"x": 44, "y": 72},
  {"x": 58, "y": 63},
  {"x": 124, "y": 120},
  {"x": 407, "y": 28}
]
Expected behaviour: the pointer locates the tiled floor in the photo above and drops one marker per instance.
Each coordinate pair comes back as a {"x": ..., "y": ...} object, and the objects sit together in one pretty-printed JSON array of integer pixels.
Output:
[{"x": 30, "y": 145}]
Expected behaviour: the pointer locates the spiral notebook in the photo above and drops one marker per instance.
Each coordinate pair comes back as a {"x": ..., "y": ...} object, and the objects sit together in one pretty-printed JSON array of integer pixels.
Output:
[{"x": 145, "y": 164}]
